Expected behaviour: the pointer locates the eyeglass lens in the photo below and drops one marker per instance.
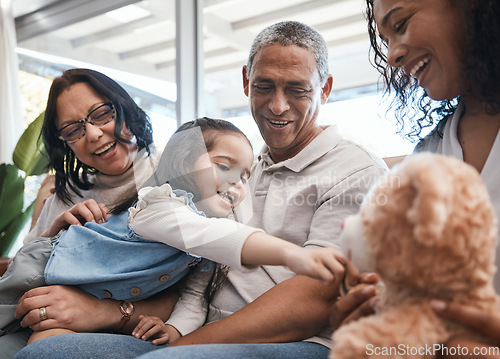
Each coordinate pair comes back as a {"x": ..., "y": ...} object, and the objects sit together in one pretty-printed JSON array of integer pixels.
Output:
[{"x": 98, "y": 117}]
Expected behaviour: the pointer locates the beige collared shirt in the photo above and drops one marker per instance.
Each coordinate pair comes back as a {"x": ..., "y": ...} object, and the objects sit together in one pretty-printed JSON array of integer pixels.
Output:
[{"x": 303, "y": 200}]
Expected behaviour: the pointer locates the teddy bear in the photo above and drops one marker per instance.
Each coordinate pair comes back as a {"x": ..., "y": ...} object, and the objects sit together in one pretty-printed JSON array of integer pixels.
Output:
[{"x": 429, "y": 230}]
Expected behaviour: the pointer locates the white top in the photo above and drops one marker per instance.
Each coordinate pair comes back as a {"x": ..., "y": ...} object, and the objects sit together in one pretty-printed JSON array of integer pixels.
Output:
[
  {"x": 161, "y": 216},
  {"x": 490, "y": 174}
]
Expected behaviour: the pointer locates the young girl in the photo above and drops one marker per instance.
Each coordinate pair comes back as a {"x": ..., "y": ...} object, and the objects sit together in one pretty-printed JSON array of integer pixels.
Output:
[{"x": 205, "y": 165}]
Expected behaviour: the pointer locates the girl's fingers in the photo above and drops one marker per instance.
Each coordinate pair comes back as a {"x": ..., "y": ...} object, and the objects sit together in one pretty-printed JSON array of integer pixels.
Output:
[
  {"x": 163, "y": 339},
  {"x": 151, "y": 332},
  {"x": 143, "y": 326}
]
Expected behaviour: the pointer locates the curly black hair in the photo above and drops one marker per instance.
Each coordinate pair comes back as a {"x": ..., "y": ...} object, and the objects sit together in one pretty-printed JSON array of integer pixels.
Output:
[
  {"x": 70, "y": 173},
  {"x": 482, "y": 68}
]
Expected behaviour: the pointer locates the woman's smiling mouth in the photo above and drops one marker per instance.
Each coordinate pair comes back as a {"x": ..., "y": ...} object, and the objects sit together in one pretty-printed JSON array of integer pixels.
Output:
[{"x": 103, "y": 150}]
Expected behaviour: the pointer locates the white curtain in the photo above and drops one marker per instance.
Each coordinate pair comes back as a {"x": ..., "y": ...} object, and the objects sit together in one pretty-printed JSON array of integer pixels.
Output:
[{"x": 11, "y": 121}]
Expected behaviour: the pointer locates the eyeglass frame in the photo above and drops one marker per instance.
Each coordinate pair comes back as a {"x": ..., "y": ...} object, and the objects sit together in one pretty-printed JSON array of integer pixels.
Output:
[{"x": 89, "y": 120}]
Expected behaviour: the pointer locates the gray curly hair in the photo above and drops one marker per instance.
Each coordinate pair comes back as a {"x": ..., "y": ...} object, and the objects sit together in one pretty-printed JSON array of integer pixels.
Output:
[{"x": 293, "y": 33}]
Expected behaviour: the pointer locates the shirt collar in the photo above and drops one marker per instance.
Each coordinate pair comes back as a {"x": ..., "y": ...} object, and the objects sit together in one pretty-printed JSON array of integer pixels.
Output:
[{"x": 322, "y": 144}]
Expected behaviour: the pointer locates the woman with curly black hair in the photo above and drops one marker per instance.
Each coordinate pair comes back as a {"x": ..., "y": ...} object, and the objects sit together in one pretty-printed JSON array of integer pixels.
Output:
[{"x": 441, "y": 58}]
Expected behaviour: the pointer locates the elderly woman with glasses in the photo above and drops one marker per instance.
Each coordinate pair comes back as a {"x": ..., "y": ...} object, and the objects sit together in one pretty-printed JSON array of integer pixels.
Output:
[{"x": 100, "y": 147}]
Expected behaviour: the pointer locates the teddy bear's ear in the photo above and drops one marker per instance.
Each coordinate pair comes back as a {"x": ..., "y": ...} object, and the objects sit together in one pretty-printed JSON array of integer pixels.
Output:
[{"x": 432, "y": 200}]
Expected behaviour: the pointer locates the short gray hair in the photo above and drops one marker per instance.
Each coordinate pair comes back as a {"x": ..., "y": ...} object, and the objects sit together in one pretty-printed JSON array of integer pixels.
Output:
[{"x": 293, "y": 33}]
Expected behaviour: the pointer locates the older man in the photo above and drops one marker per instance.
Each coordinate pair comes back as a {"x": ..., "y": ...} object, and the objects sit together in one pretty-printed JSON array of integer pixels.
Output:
[{"x": 304, "y": 183}]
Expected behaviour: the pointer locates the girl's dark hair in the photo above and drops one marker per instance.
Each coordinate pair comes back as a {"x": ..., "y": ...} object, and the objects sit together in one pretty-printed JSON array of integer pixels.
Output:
[
  {"x": 482, "y": 68},
  {"x": 70, "y": 172},
  {"x": 186, "y": 145},
  {"x": 191, "y": 140}
]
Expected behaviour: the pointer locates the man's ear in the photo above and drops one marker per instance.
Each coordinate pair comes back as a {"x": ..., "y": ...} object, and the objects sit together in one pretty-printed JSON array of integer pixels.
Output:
[
  {"x": 245, "y": 80},
  {"x": 327, "y": 89}
]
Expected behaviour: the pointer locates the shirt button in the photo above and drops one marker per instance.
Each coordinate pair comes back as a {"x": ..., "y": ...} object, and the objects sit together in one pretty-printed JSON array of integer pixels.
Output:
[
  {"x": 164, "y": 278},
  {"x": 107, "y": 293},
  {"x": 135, "y": 291}
]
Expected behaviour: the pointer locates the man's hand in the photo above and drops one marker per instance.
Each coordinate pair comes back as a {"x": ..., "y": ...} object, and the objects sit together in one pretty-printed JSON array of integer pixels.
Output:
[{"x": 355, "y": 304}]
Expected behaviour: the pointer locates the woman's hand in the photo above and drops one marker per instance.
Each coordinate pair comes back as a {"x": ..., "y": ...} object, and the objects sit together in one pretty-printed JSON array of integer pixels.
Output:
[
  {"x": 65, "y": 308},
  {"x": 476, "y": 318},
  {"x": 79, "y": 214},
  {"x": 356, "y": 304}
]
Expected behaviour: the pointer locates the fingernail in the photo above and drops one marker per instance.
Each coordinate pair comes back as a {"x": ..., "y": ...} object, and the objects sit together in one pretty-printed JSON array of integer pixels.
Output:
[
  {"x": 437, "y": 305},
  {"x": 368, "y": 290},
  {"x": 374, "y": 301}
]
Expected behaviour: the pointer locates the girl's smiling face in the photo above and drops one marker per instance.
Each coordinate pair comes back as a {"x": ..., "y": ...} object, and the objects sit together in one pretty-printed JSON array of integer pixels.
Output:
[
  {"x": 425, "y": 38},
  {"x": 221, "y": 174}
]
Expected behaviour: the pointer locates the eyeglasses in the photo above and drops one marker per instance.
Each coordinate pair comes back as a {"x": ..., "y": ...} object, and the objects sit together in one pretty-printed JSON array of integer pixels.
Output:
[{"x": 99, "y": 116}]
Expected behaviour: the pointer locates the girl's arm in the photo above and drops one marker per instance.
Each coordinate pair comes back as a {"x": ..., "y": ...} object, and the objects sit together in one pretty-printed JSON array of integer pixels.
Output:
[
  {"x": 190, "y": 311},
  {"x": 319, "y": 263},
  {"x": 163, "y": 217}
]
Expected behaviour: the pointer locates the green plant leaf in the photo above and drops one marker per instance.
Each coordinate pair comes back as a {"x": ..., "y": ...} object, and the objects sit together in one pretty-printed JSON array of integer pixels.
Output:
[
  {"x": 29, "y": 154},
  {"x": 9, "y": 235},
  {"x": 11, "y": 194}
]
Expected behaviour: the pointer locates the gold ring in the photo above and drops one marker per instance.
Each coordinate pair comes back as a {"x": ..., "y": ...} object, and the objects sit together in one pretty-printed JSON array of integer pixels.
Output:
[{"x": 43, "y": 313}]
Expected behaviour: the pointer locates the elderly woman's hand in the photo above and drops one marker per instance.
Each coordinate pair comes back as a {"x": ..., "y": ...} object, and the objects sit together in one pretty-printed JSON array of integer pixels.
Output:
[
  {"x": 478, "y": 320},
  {"x": 79, "y": 214},
  {"x": 65, "y": 307}
]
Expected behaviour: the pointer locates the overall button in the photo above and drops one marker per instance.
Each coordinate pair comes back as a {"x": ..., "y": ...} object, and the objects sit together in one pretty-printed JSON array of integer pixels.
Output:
[
  {"x": 135, "y": 291},
  {"x": 107, "y": 293},
  {"x": 164, "y": 278},
  {"x": 192, "y": 264}
]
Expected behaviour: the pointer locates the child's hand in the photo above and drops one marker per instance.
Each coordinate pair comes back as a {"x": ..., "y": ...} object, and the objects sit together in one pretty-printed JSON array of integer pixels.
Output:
[
  {"x": 150, "y": 326},
  {"x": 326, "y": 264},
  {"x": 79, "y": 214}
]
